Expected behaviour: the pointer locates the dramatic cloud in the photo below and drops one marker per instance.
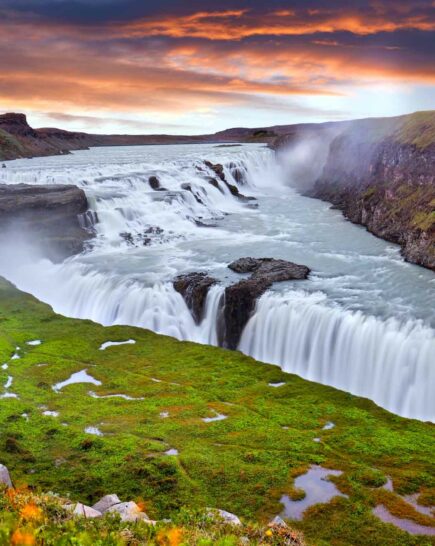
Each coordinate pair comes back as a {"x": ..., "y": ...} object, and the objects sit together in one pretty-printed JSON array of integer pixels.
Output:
[{"x": 183, "y": 66}]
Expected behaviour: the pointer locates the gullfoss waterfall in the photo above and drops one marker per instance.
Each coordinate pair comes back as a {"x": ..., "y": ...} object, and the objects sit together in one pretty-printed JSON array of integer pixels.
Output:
[{"x": 163, "y": 211}]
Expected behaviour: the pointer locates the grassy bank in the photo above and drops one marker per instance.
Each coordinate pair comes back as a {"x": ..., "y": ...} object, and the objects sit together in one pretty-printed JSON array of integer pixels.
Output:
[{"x": 243, "y": 463}]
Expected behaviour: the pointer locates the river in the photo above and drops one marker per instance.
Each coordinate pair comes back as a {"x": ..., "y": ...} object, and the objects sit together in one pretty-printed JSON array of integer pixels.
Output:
[{"x": 363, "y": 322}]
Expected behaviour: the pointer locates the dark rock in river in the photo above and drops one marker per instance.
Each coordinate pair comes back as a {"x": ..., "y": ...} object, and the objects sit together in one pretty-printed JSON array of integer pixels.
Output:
[
  {"x": 234, "y": 190},
  {"x": 47, "y": 216},
  {"x": 194, "y": 288},
  {"x": 154, "y": 182},
  {"x": 240, "y": 298},
  {"x": 270, "y": 269}
]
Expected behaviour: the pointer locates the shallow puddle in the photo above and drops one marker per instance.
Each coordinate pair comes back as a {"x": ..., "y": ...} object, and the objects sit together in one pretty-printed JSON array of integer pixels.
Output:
[
  {"x": 329, "y": 425},
  {"x": 93, "y": 430},
  {"x": 123, "y": 396},
  {"x": 49, "y": 413},
  {"x": 318, "y": 489},
  {"x": 405, "y": 524},
  {"x": 104, "y": 346},
  {"x": 218, "y": 417},
  {"x": 78, "y": 377},
  {"x": 276, "y": 385}
]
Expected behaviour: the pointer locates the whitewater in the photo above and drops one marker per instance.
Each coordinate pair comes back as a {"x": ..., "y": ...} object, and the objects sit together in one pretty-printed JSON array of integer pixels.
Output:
[{"x": 363, "y": 322}]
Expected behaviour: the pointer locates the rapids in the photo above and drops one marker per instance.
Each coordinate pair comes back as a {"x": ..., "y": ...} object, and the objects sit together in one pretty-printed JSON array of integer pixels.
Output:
[{"x": 363, "y": 322}]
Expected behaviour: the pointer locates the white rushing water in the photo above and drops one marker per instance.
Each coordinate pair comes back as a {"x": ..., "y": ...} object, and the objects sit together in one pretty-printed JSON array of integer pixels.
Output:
[{"x": 363, "y": 322}]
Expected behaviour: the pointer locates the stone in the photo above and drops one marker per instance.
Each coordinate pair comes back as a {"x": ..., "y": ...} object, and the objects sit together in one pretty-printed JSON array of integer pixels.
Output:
[
  {"x": 270, "y": 269},
  {"x": 128, "y": 511},
  {"x": 240, "y": 298},
  {"x": 154, "y": 182},
  {"x": 278, "y": 522},
  {"x": 80, "y": 509},
  {"x": 194, "y": 288},
  {"x": 106, "y": 502},
  {"x": 5, "y": 478},
  {"x": 226, "y": 517}
]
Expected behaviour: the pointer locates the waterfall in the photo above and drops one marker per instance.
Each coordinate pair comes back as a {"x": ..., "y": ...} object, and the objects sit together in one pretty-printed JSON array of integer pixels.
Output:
[
  {"x": 389, "y": 362},
  {"x": 146, "y": 237}
]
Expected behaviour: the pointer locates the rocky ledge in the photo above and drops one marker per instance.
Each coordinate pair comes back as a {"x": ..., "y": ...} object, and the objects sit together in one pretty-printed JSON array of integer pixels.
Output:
[
  {"x": 53, "y": 217},
  {"x": 239, "y": 299}
]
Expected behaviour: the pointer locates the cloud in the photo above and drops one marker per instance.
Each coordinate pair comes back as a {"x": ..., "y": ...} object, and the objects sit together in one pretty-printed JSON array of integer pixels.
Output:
[{"x": 153, "y": 60}]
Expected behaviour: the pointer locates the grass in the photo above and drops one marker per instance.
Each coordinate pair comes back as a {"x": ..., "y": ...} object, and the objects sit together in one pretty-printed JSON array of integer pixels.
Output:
[
  {"x": 417, "y": 129},
  {"x": 10, "y": 147},
  {"x": 243, "y": 464}
]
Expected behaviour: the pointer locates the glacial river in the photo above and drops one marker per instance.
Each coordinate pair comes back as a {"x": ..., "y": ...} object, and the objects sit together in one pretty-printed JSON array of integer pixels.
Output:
[{"x": 363, "y": 322}]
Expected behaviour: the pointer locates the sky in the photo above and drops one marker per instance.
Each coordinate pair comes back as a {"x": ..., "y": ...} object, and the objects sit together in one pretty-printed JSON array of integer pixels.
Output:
[{"x": 195, "y": 67}]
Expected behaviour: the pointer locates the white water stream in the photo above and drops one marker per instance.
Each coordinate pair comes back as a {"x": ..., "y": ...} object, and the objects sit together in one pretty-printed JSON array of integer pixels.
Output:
[{"x": 363, "y": 322}]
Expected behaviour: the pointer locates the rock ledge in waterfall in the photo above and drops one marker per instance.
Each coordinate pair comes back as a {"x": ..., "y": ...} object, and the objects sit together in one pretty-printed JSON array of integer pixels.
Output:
[
  {"x": 194, "y": 288},
  {"x": 240, "y": 298}
]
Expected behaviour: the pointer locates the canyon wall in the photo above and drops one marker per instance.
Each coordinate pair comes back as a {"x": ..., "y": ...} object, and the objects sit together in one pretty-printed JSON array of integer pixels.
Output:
[
  {"x": 381, "y": 174},
  {"x": 48, "y": 219}
]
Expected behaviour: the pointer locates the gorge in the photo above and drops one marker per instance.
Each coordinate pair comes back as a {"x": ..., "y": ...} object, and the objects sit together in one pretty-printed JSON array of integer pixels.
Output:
[{"x": 160, "y": 212}]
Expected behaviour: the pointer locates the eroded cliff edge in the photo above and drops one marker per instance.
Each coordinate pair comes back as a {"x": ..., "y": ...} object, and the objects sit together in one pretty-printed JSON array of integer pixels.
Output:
[
  {"x": 53, "y": 220},
  {"x": 381, "y": 174}
]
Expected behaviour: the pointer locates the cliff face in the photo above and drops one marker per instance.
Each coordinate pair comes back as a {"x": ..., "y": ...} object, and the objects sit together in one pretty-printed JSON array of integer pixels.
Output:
[
  {"x": 381, "y": 174},
  {"x": 48, "y": 216}
]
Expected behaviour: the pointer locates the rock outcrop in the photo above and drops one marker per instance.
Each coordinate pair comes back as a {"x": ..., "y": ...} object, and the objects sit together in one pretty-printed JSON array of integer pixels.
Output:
[
  {"x": 239, "y": 299},
  {"x": 392, "y": 194},
  {"x": 48, "y": 216},
  {"x": 218, "y": 169},
  {"x": 194, "y": 288},
  {"x": 381, "y": 174}
]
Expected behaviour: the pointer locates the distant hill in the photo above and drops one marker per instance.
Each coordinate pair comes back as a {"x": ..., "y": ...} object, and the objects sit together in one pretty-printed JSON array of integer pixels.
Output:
[{"x": 19, "y": 139}]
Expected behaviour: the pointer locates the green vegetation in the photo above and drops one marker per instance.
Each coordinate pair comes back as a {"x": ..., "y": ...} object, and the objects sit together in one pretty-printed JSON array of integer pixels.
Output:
[
  {"x": 417, "y": 129},
  {"x": 424, "y": 220},
  {"x": 27, "y": 519},
  {"x": 10, "y": 148},
  {"x": 243, "y": 464}
]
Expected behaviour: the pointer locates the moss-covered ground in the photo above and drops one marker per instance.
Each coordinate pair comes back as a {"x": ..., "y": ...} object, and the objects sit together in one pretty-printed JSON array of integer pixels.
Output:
[{"x": 243, "y": 464}]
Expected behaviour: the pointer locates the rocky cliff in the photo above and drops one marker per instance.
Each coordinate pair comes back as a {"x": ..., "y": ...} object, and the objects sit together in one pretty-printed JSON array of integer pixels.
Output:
[
  {"x": 52, "y": 217},
  {"x": 381, "y": 174}
]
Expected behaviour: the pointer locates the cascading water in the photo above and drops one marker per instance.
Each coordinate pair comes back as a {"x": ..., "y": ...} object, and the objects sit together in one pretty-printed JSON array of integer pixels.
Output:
[
  {"x": 356, "y": 353},
  {"x": 362, "y": 322}
]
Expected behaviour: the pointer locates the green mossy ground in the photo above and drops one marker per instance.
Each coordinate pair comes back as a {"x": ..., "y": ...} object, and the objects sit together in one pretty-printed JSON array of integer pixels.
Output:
[
  {"x": 242, "y": 464},
  {"x": 10, "y": 147}
]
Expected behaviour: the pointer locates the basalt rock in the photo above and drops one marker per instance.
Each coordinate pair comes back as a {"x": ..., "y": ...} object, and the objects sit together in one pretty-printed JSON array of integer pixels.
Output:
[
  {"x": 194, "y": 288},
  {"x": 240, "y": 298},
  {"x": 269, "y": 269},
  {"x": 218, "y": 169},
  {"x": 47, "y": 216}
]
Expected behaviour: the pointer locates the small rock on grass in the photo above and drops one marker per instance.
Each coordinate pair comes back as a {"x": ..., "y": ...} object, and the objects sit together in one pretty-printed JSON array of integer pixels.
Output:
[
  {"x": 129, "y": 511},
  {"x": 226, "y": 517},
  {"x": 106, "y": 502},
  {"x": 5, "y": 477},
  {"x": 80, "y": 509},
  {"x": 277, "y": 522}
]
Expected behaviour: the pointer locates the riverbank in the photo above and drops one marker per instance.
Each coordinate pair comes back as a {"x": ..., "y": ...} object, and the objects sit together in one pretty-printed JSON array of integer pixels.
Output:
[
  {"x": 380, "y": 174},
  {"x": 182, "y": 425}
]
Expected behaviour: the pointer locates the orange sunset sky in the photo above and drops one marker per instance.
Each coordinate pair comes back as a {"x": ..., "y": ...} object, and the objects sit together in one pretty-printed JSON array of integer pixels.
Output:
[{"x": 197, "y": 67}]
